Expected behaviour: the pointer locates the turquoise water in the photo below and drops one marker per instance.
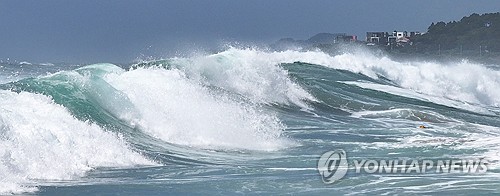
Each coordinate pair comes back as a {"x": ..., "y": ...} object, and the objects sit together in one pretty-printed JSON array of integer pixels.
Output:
[{"x": 245, "y": 121}]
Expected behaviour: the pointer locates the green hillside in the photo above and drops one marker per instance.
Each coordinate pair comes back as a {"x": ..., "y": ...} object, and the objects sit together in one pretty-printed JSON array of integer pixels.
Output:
[{"x": 471, "y": 33}]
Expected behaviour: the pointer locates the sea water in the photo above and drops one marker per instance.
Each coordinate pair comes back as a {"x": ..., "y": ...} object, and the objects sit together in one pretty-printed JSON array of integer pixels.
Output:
[{"x": 245, "y": 121}]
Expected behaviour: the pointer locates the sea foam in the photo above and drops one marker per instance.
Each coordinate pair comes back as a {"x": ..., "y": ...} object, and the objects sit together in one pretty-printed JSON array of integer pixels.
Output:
[
  {"x": 40, "y": 140},
  {"x": 460, "y": 81},
  {"x": 182, "y": 111}
]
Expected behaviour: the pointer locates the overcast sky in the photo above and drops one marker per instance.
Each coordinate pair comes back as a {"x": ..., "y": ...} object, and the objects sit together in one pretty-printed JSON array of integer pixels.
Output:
[{"x": 123, "y": 30}]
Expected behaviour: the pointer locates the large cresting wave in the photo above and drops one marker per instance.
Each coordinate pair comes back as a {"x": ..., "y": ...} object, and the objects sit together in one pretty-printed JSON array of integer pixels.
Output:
[
  {"x": 164, "y": 104},
  {"x": 55, "y": 127},
  {"x": 459, "y": 81},
  {"x": 41, "y": 140}
]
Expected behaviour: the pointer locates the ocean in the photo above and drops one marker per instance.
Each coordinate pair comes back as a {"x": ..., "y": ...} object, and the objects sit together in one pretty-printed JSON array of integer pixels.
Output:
[{"x": 247, "y": 121}]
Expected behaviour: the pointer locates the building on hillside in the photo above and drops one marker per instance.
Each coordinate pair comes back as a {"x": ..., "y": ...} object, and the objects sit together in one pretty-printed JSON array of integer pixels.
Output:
[
  {"x": 376, "y": 38},
  {"x": 395, "y": 38},
  {"x": 346, "y": 38},
  {"x": 414, "y": 33},
  {"x": 398, "y": 38},
  {"x": 331, "y": 38}
]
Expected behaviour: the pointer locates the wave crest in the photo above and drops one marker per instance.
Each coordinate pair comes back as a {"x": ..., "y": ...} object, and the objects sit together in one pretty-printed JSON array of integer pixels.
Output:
[{"x": 40, "y": 140}]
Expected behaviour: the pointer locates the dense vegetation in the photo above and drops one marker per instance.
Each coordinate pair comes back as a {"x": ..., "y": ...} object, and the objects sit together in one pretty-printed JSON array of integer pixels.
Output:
[{"x": 474, "y": 35}]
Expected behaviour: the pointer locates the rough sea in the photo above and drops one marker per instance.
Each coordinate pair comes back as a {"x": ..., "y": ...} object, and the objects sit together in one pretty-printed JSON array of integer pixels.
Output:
[{"x": 246, "y": 121}]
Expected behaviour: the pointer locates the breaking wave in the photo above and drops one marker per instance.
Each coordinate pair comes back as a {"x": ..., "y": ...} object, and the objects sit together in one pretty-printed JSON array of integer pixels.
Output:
[{"x": 54, "y": 127}]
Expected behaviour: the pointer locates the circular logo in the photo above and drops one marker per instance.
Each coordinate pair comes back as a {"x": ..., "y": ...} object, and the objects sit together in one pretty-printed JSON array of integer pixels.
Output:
[{"x": 332, "y": 166}]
